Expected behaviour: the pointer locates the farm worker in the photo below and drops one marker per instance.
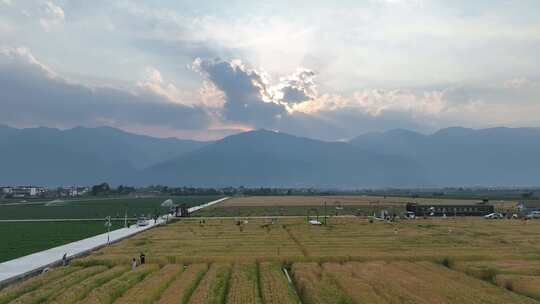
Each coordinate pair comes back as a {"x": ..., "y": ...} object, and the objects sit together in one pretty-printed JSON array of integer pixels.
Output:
[
  {"x": 133, "y": 264},
  {"x": 143, "y": 258},
  {"x": 64, "y": 260}
]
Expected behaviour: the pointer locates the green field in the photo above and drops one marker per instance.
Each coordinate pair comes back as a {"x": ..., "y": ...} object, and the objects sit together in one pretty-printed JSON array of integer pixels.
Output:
[
  {"x": 96, "y": 208},
  {"x": 19, "y": 239},
  {"x": 22, "y": 238}
]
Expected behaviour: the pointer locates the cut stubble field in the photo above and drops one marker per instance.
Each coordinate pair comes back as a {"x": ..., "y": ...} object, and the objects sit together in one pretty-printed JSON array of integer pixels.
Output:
[
  {"x": 263, "y": 201},
  {"x": 330, "y": 205},
  {"x": 350, "y": 260}
]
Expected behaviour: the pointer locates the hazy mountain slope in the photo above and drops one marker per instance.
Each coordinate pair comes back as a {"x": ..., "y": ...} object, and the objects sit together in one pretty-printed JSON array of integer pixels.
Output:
[
  {"x": 265, "y": 158},
  {"x": 460, "y": 156},
  {"x": 141, "y": 151},
  {"x": 48, "y": 156},
  {"x": 398, "y": 158}
]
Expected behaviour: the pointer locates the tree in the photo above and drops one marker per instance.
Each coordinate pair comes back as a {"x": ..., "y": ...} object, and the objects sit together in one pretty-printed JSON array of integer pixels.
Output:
[{"x": 101, "y": 189}]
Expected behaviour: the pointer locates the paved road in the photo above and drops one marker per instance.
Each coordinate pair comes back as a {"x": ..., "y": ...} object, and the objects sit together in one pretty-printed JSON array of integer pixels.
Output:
[
  {"x": 66, "y": 220},
  {"x": 193, "y": 209},
  {"x": 39, "y": 260},
  {"x": 26, "y": 265}
]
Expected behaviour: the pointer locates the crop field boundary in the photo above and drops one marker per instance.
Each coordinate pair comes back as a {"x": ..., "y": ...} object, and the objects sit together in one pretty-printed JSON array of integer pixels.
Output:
[
  {"x": 55, "y": 263},
  {"x": 30, "y": 265}
]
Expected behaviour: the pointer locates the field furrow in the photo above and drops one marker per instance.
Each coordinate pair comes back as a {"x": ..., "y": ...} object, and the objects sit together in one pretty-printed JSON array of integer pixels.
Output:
[
  {"x": 316, "y": 286},
  {"x": 14, "y": 291},
  {"x": 522, "y": 284},
  {"x": 81, "y": 290},
  {"x": 359, "y": 290},
  {"x": 54, "y": 288},
  {"x": 214, "y": 286},
  {"x": 274, "y": 286},
  {"x": 406, "y": 282},
  {"x": 112, "y": 290},
  {"x": 183, "y": 286},
  {"x": 243, "y": 285},
  {"x": 150, "y": 289}
]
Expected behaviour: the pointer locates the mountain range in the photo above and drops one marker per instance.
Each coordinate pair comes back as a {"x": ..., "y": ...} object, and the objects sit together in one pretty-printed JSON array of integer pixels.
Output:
[{"x": 397, "y": 158}]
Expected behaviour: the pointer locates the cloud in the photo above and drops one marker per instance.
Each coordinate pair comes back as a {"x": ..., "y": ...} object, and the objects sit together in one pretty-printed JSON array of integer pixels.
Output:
[
  {"x": 154, "y": 83},
  {"x": 33, "y": 94},
  {"x": 294, "y": 104},
  {"x": 234, "y": 96},
  {"x": 247, "y": 98},
  {"x": 297, "y": 87},
  {"x": 52, "y": 15},
  {"x": 518, "y": 83}
]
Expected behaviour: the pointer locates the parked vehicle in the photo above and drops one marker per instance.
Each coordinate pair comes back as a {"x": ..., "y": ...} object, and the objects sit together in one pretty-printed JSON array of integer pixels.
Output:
[
  {"x": 534, "y": 215},
  {"x": 409, "y": 215},
  {"x": 493, "y": 216},
  {"x": 142, "y": 221}
]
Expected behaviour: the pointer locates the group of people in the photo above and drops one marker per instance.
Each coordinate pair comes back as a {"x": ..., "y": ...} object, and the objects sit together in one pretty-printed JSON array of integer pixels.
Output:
[{"x": 142, "y": 260}]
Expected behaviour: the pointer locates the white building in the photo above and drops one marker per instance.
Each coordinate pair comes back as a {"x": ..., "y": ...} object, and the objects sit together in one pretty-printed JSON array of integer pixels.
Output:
[{"x": 7, "y": 190}]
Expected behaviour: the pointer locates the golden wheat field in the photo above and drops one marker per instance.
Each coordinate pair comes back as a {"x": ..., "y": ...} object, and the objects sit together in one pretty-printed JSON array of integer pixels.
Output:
[
  {"x": 331, "y": 205},
  {"x": 330, "y": 200},
  {"x": 350, "y": 260}
]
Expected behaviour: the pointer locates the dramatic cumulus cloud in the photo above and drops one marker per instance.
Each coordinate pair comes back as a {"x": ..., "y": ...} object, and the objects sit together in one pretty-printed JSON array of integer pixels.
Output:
[
  {"x": 33, "y": 94},
  {"x": 247, "y": 98},
  {"x": 322, "y": 69},
  {"x": 292, "y": 103}
]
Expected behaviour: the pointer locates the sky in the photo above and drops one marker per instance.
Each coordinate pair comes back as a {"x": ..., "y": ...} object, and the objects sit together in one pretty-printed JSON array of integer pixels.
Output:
[{"x": 330, "y": 70}]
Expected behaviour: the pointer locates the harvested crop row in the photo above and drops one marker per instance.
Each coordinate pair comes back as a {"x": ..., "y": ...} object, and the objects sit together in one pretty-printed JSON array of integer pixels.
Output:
[
  {"x": 317, "y": 286},
  {"x": 405, "y": 282},
  {"x": 456, "y": 286},
  {"x": 81, "y": 290},
  {"x": 487, "y": 270},
  {"x": 213, "y": 287},
  {"x": 148, "y": 290},
  {"x": 113, "y": 289},
  {"x": 183, "y": 286},
  {"x": 522, "y": 284},
  {"x": 355, "y": 287},
  {"x": 17, "y": 290},
  {"x": 243, "y": 285},
  {"x": 54, "y": 288},
  {"x": 274, "y": 286}
]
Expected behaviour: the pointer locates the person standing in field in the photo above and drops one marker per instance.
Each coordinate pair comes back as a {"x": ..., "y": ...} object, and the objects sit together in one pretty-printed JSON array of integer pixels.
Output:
[
  {"x": 134, "y": 264},
  {"x": 64, "y": 260},
  {"x": 143, "y": 258}
]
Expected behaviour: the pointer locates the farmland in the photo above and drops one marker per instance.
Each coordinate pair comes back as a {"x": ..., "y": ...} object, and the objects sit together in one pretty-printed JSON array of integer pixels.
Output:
[
  {"x": 331, "y": 205},
  {"x": 95, "y": 208},
  {"x": 19, "y": 239},
  {"x": 22, "y": 238},
  {"x": 348, "y": 261}
]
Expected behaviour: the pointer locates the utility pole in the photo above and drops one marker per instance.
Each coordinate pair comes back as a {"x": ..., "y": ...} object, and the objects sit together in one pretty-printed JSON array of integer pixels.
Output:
[{"x": 325, "y": 213}]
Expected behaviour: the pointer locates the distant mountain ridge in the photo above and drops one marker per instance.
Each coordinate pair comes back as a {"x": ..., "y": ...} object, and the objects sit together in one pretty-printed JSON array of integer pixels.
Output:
[
  {"x": 47, "y": 156},
  {"x": 397, "y": 158},
  {"x": 460, "y": 156},
  {"x": 266, "y": 158}
]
